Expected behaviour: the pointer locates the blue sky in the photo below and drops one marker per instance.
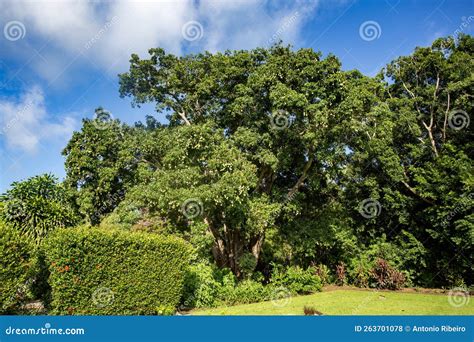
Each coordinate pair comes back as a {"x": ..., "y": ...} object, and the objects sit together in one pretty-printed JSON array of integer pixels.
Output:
[{"x": 59, "y": 60}]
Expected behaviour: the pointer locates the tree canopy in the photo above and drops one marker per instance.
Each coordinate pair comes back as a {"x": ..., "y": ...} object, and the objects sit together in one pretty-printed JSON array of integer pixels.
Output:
[{"x": 276, "y": 155}]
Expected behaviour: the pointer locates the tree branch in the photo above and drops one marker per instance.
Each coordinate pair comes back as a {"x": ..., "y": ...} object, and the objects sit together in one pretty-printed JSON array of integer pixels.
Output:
[
  {"x": 302, "y": 178},
  {"x": 430, "y": 134},
  {"x": 185, "y": 119},
  {"x": 414, "y": 192},
  {"x": 446, "y": 117}
]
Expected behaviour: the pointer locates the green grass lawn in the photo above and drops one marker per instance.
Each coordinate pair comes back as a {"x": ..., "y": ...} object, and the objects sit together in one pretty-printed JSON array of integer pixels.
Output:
[{"x": 352, "y": 302}]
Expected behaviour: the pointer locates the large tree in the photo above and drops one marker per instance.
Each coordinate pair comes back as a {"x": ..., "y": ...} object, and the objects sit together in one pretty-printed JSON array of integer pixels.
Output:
[
  {"x": 413, "y": 154},
  {"x": 280, "y": 155},
  {"x": 269, "y": 119}
]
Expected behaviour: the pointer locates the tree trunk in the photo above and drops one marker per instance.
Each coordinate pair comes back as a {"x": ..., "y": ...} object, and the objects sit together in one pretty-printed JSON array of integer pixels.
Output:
[
  {"x": 228, "y": 247},
  {"x": 228, "y": 256}
]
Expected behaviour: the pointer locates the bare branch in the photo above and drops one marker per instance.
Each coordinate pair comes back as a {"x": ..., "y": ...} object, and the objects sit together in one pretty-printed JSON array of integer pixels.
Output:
[
  {"x": 302, "y": 178},
  {"x": 185, "y": 119},
  {"x": 446, "y": 117},
  {"x": 414, "y": 192}
]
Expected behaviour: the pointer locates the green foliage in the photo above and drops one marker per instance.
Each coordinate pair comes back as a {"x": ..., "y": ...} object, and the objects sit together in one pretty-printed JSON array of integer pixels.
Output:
[
  {"x": 102, "y": 161},
  {"x": 296, "y": 279},
  {"x": 247, "y": 263},
  {"x": 36, "y": 206},
  {"x": 269, "y": 155},
  {"x": 246, "y": 292},
  {"x": 208, "y": 286},
  {"x": 201, "y": 288},
  {"x": 323, "y": 272},
  {"x": 278, "y": 148},
  {"x": 412, "y": 152},
  {"x": 247, "y": 131},
  {"x": 96, "y": 271},
  {"x": 201, "y": 240},
  {"x": 411, "y": 262},
  {"x": 16, "y": 265},
  {"x": 359, "y": 270}
]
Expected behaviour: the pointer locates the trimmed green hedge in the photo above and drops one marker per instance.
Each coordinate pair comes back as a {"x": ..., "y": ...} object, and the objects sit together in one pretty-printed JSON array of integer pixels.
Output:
[
  {"x": 111, "y": 272},
  {"x": 16, "y": 262}
]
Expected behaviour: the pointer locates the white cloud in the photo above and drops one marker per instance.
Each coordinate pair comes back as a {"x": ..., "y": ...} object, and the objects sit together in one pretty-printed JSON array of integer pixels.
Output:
[
  {"x": 105, "y": 32},
  {"x": 25, "y": 123},
  {"x": 252, "y": 23},
  {"x": 108, "y": 32}
]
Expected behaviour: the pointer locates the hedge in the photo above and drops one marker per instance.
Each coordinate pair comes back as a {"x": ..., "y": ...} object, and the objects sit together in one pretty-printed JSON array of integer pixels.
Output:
[
  {"x": 110, "y": 272},
  {"x": 16, "y": 263}
]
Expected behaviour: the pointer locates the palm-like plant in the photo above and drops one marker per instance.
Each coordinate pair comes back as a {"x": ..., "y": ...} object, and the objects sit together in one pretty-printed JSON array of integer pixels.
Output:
[{"x": 36, "y": 206}]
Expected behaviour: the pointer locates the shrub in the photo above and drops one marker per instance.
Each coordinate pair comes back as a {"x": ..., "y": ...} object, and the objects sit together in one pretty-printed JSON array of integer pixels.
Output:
[
  {"x": 411, "y": 262},
  {"x": 16, "y": 263},
  {"x": 246, "y": 292},
  {"x": 341, "y": 274},
  {"x": 247, "y": 263},
  {"x": 296, "y": 279},
  {"x": 97, "y": 271},
  {"x": 322, "y": 271},
  {"x": 387, "y": 277},
  {"x": 361, "y": 276},
  {"x": 208, "y": 286},
  {"x": 359, "y": 271},
  {"x": 201, "y": 288}
]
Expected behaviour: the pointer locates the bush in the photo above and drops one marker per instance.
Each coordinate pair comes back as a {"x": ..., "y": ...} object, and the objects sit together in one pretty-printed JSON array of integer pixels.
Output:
[
  {"x": 387, "y": 277},
  {"x": 296, "y": 279},
  {"x": 359, "y": 271},
  {"x": 96, "y": 271},
  {"x": 322, "y": 271},
  {"x": 247, "y": 263},
  {"x": 201, "y": 288},
  {"x": 410, "y": 262},
  {"x": 341, "y": 278},
  {"x": 366, "y": 270},
  {"x": 246, "y": 292},
  {"x": 208, "y": 286},
  {"x": 16, "y": 263}
]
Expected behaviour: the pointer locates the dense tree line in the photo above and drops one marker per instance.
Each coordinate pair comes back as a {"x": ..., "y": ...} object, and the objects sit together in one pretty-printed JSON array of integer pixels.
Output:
[{"x": 275, "y": 156}]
